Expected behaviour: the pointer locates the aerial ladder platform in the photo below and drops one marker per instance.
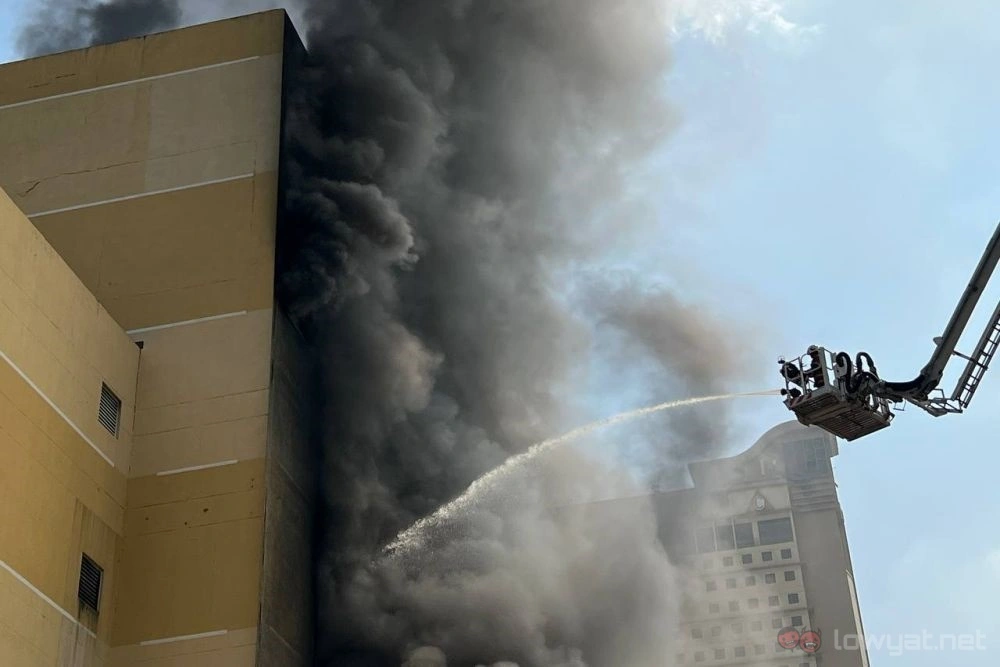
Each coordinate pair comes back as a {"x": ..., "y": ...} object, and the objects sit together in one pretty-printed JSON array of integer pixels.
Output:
[{"x": 846, "y": 396}]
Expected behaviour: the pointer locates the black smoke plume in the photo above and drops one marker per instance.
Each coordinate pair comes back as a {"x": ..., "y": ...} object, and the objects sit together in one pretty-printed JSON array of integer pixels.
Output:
[
  {"x": 448, "y": 160},
  {"x": 61, "y": 25}
]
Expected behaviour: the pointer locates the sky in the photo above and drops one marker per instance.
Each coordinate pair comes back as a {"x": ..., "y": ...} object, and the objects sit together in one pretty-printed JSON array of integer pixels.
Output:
[{"x": 832, "y": 182}]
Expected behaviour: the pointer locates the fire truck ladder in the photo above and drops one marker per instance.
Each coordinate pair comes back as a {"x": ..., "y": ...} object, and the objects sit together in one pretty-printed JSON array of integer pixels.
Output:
[{"x": 977, "y": 364}]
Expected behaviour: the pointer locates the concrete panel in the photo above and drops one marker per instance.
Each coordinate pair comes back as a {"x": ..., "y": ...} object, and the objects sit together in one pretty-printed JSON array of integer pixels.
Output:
[
  {"x": 235, "y": 648},
  {"x": 206, "y": 360},
  {"x": 36, "y": 526},
  {"x": 190, "y": 581},
  {"x": 191, "y": 556},
  {"x": 30, "y": 628},
  {"x": 287, "y": 592},
  {"x": 83, "y": 136},
  {"x": 240, "y": 440},
  {"x": 57, "y": 334},
  {"x": 33, "y": 435},
  {"x": 51, "y": 511},
  {"x": 155, "y": 55},
  {"x": 823, "y": 548},
  {"x": 190, "y": 561},
  {"x": 194, "y": 513},
  {"x": 287, "y": 601},
  {"x": 237, "y": 478},
  {"x": 176, "y": 132},
  {"x": 155, "y": 420},
  {"x": 174, "y": 256},
  {"x": 218, "y": 107}
]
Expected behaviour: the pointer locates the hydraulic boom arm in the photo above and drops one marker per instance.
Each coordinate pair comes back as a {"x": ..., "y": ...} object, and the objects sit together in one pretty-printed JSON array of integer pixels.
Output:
[{"x": 847, "y": 397}]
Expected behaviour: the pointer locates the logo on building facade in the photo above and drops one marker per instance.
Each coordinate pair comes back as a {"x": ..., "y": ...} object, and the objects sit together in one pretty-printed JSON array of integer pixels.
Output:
[
  {"x": 789, "y": 638},
  {"x": 809, "y": 641}
]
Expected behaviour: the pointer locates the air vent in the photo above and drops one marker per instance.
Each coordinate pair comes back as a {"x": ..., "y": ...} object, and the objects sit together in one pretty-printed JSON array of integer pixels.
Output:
[
  {"x": 90, "y": 583},
  {"x": 110, "y": 411}
]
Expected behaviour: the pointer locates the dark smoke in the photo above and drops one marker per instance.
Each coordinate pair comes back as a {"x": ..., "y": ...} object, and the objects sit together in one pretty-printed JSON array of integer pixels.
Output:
[
  {"x": 447, "y": 161},
  {"x": 449, "y": 158},
  {"x": 61, "y": 25}
]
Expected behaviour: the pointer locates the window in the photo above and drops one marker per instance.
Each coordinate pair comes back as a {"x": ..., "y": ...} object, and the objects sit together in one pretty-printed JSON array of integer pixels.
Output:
[
  {"x": 786, "y": 554},
  {"x": 731, "y": 582},
  {"x": 769, "y": 578},
  {"x": 734, "y": 606},
  {"x": 737, "y": 628},
  {"x": 705, "y": 540},
  {"x": 775, "y": 531},
  {"x": 744, "y": 535},
  {"x": 793, "y": 598},
  {"x": 724, "y": 537},
  {"x": 727, "y": 561},
  {"x": 751, "y": 580},
  {"x": 699, "y": 656},
  {"x": 720, "y": 654},
  {"x": 776, "y": 623},
  {"x": 740, "y": 652},
  {"x": 809, "y": 457},
  {"x": 789, "y": 575},
  {"x": 758, "y": 649},
  {"x": 753, "y": 603},
  {"x": 747, "y": 559},
  {"x": 796, "y": 621},
  {"x": 773, "y": 601},
  {"x": 713, "y": 608},
  {"x": 766, "y": 556},
  {"x": 109, "y": 411},
  {"x": 89, "y": 590},
  {"x": 710, "y": 585},
  {"x": 716, "y": 630},
  {"x": 696, "y": 633},
  {"x": 757, "y": 626}
]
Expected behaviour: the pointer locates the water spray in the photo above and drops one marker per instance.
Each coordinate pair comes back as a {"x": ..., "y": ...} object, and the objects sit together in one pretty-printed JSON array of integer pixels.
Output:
[{"x": 414, "y": 537}]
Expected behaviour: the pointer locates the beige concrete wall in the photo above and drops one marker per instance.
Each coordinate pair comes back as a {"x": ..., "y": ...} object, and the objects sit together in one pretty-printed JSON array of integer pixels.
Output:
[
  {"x": 63, "y": 484},
  {"x": 155, "y": 55},
  {"x": 193, "y": 543},
  {"x": 190, "y": 561},
  {"x": 159, "y": 192},
  {"x": 151, "y": 168},
  {"x": 232, "y": 649},
  {"x": 55, "y": 331},
  {"x": 202, "y": 394}
]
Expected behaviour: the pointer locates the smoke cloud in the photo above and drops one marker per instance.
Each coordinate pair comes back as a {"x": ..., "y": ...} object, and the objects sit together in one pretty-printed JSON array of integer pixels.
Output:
[
  {"x": 447, "y": 161},
  {"x": 61, "y": 25}
]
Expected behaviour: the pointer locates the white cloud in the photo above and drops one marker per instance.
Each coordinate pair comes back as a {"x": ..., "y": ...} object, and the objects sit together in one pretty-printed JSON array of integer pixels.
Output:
[{"x": 716, "y": 20}]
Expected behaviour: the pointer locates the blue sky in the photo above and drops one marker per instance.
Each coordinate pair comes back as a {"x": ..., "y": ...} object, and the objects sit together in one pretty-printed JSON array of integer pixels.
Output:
[
  {"x": 833, "y": 182},
  {"x": 868, "y": 145}
]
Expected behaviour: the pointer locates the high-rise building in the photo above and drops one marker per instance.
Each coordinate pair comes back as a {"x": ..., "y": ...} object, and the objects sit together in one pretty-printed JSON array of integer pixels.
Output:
[
  {"x": 761, "y": 542},
  {"x": 154, "y": 398}
]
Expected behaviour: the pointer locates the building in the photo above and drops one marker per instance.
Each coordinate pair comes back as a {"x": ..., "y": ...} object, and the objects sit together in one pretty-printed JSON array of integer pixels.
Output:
[
  {"x": 154, "y": 398},
  {"x": 760, "y": 538}
]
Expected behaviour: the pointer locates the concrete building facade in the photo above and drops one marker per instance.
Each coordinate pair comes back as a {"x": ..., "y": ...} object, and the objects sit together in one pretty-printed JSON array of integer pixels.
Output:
[
  {"x": 154, "y": 398},
  {"x": 760, "y": 538}
]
